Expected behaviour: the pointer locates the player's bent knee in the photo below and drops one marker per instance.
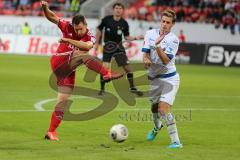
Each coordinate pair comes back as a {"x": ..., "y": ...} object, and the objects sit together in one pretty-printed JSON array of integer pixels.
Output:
[
  {"x": 163, "y": 108},
  {"x": 106, "y": 64},
  {"x": 127, "y": 69},
  {"x": 75, "y": 62},
  {"x": 63, "y": 97},
  {"x": 170, "y": 119},
  {"x": 154, "y": 108}
]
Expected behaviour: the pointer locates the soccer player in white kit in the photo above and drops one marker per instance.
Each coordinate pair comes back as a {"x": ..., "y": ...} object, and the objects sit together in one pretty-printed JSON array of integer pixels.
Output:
[{"x": 160, "y": 48}]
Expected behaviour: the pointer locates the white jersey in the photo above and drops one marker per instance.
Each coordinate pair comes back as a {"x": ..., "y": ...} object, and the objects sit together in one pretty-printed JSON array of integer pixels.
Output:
[{"x": 169, "y": 45}]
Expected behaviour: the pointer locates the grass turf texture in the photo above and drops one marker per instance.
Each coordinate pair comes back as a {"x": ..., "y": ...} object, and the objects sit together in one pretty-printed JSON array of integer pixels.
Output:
[{"x": 207, "y": 110}]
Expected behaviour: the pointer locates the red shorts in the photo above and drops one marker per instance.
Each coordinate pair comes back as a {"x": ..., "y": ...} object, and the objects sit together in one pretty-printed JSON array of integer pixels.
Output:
[{"x": 60, "y": 67}]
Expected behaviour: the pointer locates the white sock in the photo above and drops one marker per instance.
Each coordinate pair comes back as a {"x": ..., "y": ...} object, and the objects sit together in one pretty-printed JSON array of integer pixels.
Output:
[
  {"x": 172, "y": 128},
  {"x": 156, "y": 121}
]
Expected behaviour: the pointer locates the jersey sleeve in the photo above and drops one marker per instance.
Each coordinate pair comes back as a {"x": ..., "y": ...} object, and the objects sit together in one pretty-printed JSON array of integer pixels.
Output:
[
  {"x": 126, "y": 30},
  {"x": 172, "y": 48},
  {"x": 146, "y": 45},
  {"x": 102, "y": 24},
  {"x": 62, "y": 25}
]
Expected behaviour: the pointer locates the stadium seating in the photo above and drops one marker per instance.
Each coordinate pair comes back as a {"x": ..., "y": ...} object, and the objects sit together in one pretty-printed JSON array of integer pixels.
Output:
[
  {"x": 33, "y": 7},
  {"x": 225, "y": 13},
  {"x": 217, "y": 12}
]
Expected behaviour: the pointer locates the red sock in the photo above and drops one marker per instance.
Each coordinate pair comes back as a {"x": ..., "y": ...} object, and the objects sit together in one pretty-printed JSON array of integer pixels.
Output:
[
  {"x": 55, "y": 120},
  {"x": 96, "y": 66}
]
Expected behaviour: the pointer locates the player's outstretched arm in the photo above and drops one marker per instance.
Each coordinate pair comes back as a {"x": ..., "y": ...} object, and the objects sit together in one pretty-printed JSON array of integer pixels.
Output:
[
  {"x": 84, "y": 46},
  {"x": 50, "y": 15},
  {"x": 132, "y": 38}
]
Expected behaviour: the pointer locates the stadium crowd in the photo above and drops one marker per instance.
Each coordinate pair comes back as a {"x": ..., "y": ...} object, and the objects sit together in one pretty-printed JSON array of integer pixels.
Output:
[
  {"x": 225, "y": 13},
  {"x": 63, "y": 8}
]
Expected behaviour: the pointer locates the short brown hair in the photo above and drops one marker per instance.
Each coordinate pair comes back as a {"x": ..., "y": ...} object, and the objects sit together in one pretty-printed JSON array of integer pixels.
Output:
[
  {"x": 79, "y": 19},
  {"x": 169, "y": 13},
  {"x": 118, "y": 4}
]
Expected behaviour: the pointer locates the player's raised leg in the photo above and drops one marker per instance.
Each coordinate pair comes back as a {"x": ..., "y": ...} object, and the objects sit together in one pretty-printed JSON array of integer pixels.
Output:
[{"x": 95, "y": 65}]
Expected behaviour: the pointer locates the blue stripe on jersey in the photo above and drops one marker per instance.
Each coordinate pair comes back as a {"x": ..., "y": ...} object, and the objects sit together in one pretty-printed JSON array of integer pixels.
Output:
[
  {"x": 163, "y": 75},
  {"x": 170, "y": 56},
  {"x": 167, "y": 75},
  {"x": 146, "y": 50}
]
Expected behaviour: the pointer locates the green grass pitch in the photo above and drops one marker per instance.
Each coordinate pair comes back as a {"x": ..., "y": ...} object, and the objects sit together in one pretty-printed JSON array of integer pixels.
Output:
[{"x": 207, "y": 109}]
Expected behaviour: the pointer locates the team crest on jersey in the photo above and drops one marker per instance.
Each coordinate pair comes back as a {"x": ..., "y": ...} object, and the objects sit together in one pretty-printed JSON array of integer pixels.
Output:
[
  {"x": 169, "y": 49},
  {"x": 93, "y": 39},
  {"x": 119, "y": 32},
  {"x": 90, "y": 33}
]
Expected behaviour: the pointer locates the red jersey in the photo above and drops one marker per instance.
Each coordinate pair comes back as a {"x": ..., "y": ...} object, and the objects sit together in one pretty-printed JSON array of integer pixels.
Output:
[
  {"x": 60, "y": 62},
  {"x": 68, "y": 32}
]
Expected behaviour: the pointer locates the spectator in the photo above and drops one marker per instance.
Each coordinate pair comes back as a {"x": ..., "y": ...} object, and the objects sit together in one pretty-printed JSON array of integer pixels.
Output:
[
  {"x": 230, "y": 5},
  {"x": 142, "y": 12},
  {"x": 238, "y": 20},
  {"x": 75, "y": 5},
  {"x": 23, "y": 2},
  {"x": 229, "y": 21},
  {"x": 182, "y": 37},
  {"x": 26, "y": 30},
  {"x": 200, "y": 11},
  {"x": 130, "y": 12},
  {"x": 180, "y": 14},
  {"x": 2, "y": 45}
]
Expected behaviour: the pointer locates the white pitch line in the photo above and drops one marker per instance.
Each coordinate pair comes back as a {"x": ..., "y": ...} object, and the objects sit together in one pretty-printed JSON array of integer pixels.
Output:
[
  {"x": 210, "y": 96},
  {"x": 133, "y": 109},
  {"x": 39, "y": 105}
]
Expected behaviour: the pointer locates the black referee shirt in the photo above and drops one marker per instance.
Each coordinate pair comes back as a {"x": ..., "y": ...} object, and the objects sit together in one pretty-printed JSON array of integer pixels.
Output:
[{"x": 114, "y": 30}]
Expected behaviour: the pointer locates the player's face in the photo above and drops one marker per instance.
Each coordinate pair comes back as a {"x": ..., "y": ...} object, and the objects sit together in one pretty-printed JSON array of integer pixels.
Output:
[
  {"x": 118, "y": 11},
  {"x": 80, "y": 29},
  {"x": 166, "y": 24}
]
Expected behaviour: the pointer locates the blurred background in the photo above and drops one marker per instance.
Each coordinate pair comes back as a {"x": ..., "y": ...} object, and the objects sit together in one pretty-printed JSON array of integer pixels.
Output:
[
  {"x": 207, "y": 28},
  {"x": 207, "y": 104}
]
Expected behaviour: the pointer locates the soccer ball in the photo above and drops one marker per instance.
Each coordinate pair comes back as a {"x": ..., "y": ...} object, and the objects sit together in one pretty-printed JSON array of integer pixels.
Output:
[{"x": 118, "y": 133}]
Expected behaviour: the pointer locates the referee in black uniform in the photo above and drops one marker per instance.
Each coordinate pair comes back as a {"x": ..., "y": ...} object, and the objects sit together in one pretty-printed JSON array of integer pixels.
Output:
[{"x": 115, "y": 27}]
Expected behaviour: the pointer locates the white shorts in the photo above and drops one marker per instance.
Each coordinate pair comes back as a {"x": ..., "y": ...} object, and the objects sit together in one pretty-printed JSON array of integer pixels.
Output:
[{"x": 164, "y": 89}]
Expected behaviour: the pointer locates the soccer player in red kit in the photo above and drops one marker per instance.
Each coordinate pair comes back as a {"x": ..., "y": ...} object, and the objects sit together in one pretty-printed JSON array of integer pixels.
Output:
[{"x": 76, "y": 42}]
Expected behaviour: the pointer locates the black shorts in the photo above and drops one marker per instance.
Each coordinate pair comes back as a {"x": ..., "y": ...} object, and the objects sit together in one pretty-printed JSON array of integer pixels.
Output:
[{"x": 120, "y": 57}]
